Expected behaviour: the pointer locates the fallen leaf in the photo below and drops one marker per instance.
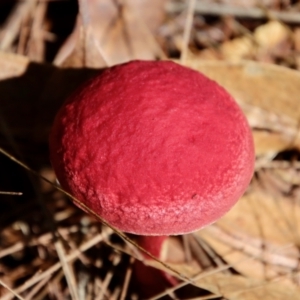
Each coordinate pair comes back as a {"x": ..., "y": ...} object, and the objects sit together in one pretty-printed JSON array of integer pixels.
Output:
[
  {"x": 234, "y": 287},
  {"x": 238, "y": 48},
  {"x": 269, "y": 96},
  {"x": 41, "y": 90},
  {"x": 271, "y": 34},
  {"x": 259, "y": 237},
  {"x": 109, "y": 33}
]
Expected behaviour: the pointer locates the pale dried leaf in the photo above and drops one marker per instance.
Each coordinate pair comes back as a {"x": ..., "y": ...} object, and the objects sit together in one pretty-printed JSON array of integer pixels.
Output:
[
  {"x": 109, "y": 33},
  {"x": 238, "y": 48},
  {"x": 297, "y": 39},
  {"x": 12, "y": 65},
  {"x": 288, "y": 175},
  {"x": 268, "y": 40},
  {"x": 246, "y": 3},
  {"x": 259, "y": 237},
  {"x": 271, "y": 35},
  {"x": 41, "y": 90},
  {"x": 235, "y": 287},
  {"x": 269, "y": 96}
]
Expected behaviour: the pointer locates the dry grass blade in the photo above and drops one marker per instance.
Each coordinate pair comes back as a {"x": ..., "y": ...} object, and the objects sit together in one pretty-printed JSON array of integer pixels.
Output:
[
  {"x": 11, "y": 193},
  {"x": 86, "y": 31},
  {"x": 109, "y": 276},
  {"x": 195, "y": 278},
  {"x": 36, "y": 51},
  {"x": 236, "y": 287},
  {"x": 187, "y": 30},
  {"x": 67, "y": 270},
  {"x": 122, "y": 235},
  {"x": 127, "y": 280},
  {"x": 11, "y": 290},
  {"x": 11, "y": 29},
  {"x": 37, "y": 288},
  {"x": 73, "y": 255},
  {"x": 226, "y": 9}
]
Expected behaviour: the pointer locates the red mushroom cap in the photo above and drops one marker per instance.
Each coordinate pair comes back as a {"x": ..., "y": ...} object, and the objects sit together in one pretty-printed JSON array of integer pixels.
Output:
[{"x": 154, "y": 148}]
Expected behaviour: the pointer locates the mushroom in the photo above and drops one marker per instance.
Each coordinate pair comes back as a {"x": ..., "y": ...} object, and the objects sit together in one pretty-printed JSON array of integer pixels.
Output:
[{"x": 154, "y": 148}]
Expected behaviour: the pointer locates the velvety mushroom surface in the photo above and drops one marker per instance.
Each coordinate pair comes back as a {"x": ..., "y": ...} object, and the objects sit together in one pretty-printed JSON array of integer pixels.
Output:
[{"x": 154, "y": 148}]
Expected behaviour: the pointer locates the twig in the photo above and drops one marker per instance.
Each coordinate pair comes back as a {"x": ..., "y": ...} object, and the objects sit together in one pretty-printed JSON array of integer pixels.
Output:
[
  {"x": 147, "y": 33},
  {"x": 86, "y": 31},
  {"x": 109, "y": 276},
  {"x": 11, "y": 290},
  {"x": 52, "y": 290},
  {"x": 99, "y": 285},
  {"x": 43, "y": 239},
  {"x": 73, "y": 255},
  {"x": 187, "y": 30},
  {"x": 127, "y": 280},
  {"x": 202, "y": 253},
  {"x": 187, "y": 248},
  {"x": 240, "y": 12},
  {"x": 205, "y": 274},
  {"x": 11, "y": 193},
  {"x": 253, "y": 247},
  {"x": 36, "y": 289},
  {"x": 195, "y": 278},
  {"x": 36, "y": 43},
  {"x": 51, "y": 222},
  {"x": 69, "y": 274},
  {"x": 11, "y": 28}
]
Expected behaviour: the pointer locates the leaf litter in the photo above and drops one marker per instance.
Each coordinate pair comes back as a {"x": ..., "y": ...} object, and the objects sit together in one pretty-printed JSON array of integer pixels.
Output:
[{"x": 253, "y": 251}]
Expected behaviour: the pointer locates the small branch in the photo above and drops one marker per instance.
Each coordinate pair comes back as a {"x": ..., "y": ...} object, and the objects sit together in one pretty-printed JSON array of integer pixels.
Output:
[
  {"x": 127, "y": 280},
  {"x": 187, "y": 30},
  {"x": 68, "y": 258},
  {"x": 10, "y": 30},
  {"x": 236, "y": 11},
  {"x": 11, "y": 193},
  {"x": 36, "y": 51},
  {"x": 11, "y": 290},
  {"x": 69, "y": 274}
]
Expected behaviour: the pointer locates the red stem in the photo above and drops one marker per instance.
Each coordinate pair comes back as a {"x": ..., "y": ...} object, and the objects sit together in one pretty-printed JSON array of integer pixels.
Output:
[
  {"x": 153, "y": 244},
  {"x": 151, "y": 281}
]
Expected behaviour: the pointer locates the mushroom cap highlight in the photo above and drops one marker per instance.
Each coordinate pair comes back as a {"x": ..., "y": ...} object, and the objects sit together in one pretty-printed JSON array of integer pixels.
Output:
[{"x": 152, "y": 147}]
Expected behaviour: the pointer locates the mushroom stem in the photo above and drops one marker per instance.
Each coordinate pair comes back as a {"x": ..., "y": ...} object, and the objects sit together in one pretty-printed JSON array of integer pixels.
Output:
[
  {"x": 151, "y": 281},
  {"x": 153, "y": 244}
]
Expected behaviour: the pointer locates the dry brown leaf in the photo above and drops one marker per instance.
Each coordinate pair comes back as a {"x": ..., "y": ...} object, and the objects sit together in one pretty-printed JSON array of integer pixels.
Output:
[
  {"x": 31, "y": 94},
  {"x": 271, "y": 35},
  {"x": 109, "y": 33},
  {"x": 297, "y": 39},
  {"x": 247, "y": 3},
  {"x": 259, "y": 237},
  {"x": 273, "y": 39},
  {"x": 12, "y": 65},
  {"x": 288, "y": 175},
  {"x": 235, "y": 287},
  {"x": 269, "y": 96},
  {"x": 268, "y": 40},
  {"x": 238, "y": 48}
]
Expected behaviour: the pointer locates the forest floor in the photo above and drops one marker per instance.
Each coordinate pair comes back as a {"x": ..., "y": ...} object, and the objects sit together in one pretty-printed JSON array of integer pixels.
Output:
[{"x": 50, "y": 249}]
